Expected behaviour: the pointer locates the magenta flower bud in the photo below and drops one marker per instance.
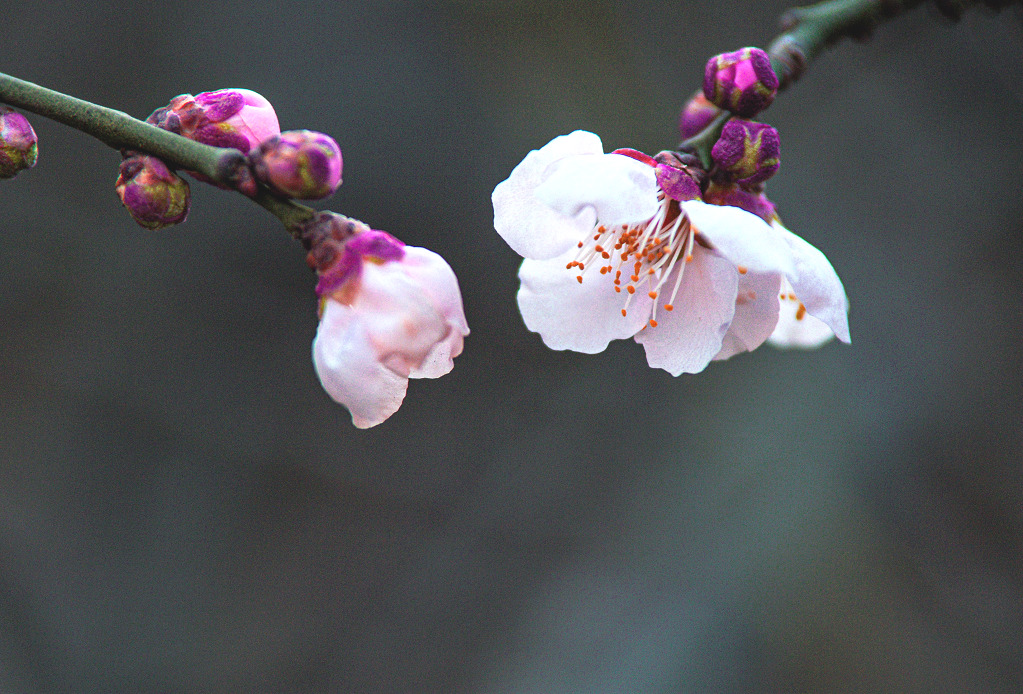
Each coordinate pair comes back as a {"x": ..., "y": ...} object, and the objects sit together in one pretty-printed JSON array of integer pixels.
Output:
[
  {"x": 731, "y": 195},
  {"x": 299, "y": 164},
  {"x": 19, "y": 146},
  {"x": 747, "y": 153},
  {"x": 696, "y": 115},
  {"x": 236, "y": 118},
  {"x": 154, "y": 195},
  {"x": 741, "y": 82}
]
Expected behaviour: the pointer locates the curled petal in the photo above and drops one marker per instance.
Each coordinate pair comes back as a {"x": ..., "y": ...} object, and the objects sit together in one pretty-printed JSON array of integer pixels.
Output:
[
  {"x": 438, "y": 282},
  {"x": 614, "y": 188},
  {"x": 816, "y": 284},
  {"x": 583, "y": 317},
  {"x": 741, "y": 236},
  {"x": 346, "y": 362},
  {"x": 687, "y": 338},
  {"x": 796, "y": 327},
  {"x": 756, "y": 314},
  {"x": 530, "y": 227}
]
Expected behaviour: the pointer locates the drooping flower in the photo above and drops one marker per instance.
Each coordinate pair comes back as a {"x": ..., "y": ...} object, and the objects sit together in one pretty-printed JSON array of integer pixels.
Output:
[
  {"x": 155, "y": 196},
  {"x": 388, "y": 312},
  {"x": 301, "y": 164},
  {"x": 19, "y": 145},
  {"x": 619, "y": 245}
]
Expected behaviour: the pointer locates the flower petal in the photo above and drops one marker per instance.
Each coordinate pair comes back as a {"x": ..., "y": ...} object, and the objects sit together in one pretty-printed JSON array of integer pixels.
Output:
[
  {"x": 687, "y": 338},
  {"x": 817, "y": 285},
  {"x": 348, "y": 367},
  {"x": 437, "y": 280},
  {"x": 613, "y": 188},
  {"x": 756, "y": 314},
  {"x": 529, "y": 226},
  {"x": 796, "y": 327},
  {"x": 583, "y": 317},
  {"x": 742, "y": 237}
]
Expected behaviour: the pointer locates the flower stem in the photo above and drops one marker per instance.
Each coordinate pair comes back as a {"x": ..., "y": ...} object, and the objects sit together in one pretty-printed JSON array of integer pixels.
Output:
[
  {"x": 809, "y": 30},
  {"x": 122, "y": 132}
]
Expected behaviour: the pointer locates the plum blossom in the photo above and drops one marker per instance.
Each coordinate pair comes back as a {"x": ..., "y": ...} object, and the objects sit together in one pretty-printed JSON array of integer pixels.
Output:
[
  {"x": 388, "y": 312},
  {"x": 619, "y": 245}
]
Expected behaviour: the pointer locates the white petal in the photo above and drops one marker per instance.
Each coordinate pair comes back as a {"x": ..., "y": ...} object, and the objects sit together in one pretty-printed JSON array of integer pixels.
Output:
[
  {"x": 742, "y": 237},
  {"x": 817, "y": 285},
  {"x": 613, "y": 188},
  {"x": 756, "y": 314},
  {"x": 582, "y": 317},
  {"x": 797, "y": 328},
  {"x": 349, "y": 370},
  {"x": 529, "y": 226},
  {"x": 686, "y": 339}
]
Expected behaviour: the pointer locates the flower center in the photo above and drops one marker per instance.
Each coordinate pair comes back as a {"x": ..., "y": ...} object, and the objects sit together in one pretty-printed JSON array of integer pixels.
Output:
[{"x": 641, "y": 256}]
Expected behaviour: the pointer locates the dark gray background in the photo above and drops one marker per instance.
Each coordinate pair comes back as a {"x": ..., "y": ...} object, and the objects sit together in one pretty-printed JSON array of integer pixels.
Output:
[{"x": 183, "y": 509}]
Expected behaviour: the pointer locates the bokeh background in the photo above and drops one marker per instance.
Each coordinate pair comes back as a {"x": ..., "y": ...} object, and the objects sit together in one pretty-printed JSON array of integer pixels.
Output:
[{"x": 183, "y": 509}]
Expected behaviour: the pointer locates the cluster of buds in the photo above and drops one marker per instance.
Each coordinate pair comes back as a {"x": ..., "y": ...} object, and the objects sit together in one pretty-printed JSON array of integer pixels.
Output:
[
  {"x": 19, "y": 146},
  {"x": 297, "y": 164},
  {"x": 741, "y": 83}
]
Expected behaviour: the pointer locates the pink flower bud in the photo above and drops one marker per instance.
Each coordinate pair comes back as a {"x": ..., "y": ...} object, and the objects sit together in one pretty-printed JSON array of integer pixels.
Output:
[
  {"x": 742, "y": 82},
  {"x": 751, "y": 200},
  {"x": 299, "y": 164},
  {"x": 18, "y": 143},
  {"x": 696, "y": 115},
  {"x": 155, "y": 196},
  {"x": 747, "y": 153},
  {"x": 388, "y": 312},
  {"x": 237, "y": 118}
]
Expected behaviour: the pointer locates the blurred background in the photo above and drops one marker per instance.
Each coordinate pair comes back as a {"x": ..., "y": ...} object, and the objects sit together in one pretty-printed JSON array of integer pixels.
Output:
[{"x": 183, "y": 509}]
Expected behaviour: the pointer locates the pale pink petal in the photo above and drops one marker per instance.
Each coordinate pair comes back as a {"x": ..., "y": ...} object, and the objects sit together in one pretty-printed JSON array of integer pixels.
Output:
[
  {"x": 687, "y": 338},
  {"x": 530, "y": 227},
  {"x": 347, "y": 364},
  {"x": 400, "y": 320},
  {"x": 796, "y": 327},
  {"x": 257, "y": 120},
  {"x": 613, "y": 188},
  {"x": 438, "y": 281},
  {"x": 816, "y": 284},
  {"x": 756, "y": 314},
  {"x": 742, "y": 237},
  {"x": 583, "y": 317}
]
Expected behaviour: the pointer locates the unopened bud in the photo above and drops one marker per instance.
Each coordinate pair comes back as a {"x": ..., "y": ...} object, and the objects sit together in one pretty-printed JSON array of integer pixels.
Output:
[
  {"x": 741, "y": 82},
  {"x": 696, "y": 115},
  {"x": 237, "y": 118},
  {"x": 299, "y": 164},
  {"x": 154, "y": 195},
  {"x": 19, "y": 146},
  {"x": 752, "y": 200},
  {"x": 747, "y": 153}
]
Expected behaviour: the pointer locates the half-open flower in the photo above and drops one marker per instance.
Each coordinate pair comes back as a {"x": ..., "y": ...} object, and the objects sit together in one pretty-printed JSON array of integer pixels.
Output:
[
  {"x": 619, "y": 245},
  {"x": 388, "y": 312}
]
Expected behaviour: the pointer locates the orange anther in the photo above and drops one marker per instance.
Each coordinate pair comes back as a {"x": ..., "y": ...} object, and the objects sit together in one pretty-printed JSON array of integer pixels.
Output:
[
  {"x": 624, "y": 312},
  {"x": 742, "y": 269},
  {"x": 635, "y": 278},
  {"x": 669, "y": 307},
  {"x": 801, "y": 311},
  {"x": 598, "y": 248},
  {"x": 689, "y": 258},
  {"x": 605, "y": 255},
  {"x": 653, "y": 323},
  {"x": 580, "y": 244},
  {"x": 630, "y": 289},
  {"x": 580, "y": 278},
  {"x": 652, "y": 295},
  {"x": 792, "y": 297}
]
